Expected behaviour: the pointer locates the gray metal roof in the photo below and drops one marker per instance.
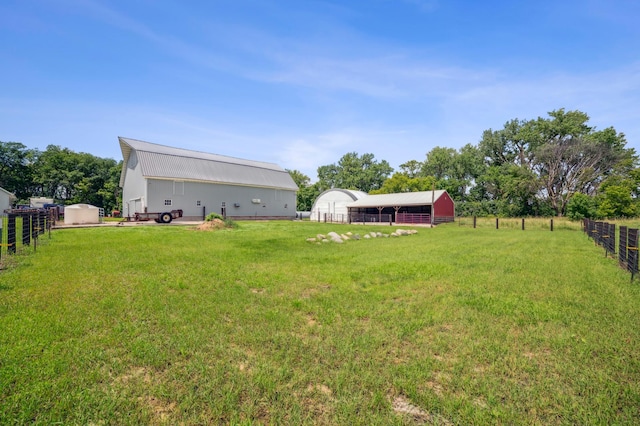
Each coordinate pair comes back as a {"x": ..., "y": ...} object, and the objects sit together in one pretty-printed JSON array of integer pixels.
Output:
[
  {"x": 399, "y": 199},
  {"x": 165, "y": 162},
  {"x": 354, "y": 194}
]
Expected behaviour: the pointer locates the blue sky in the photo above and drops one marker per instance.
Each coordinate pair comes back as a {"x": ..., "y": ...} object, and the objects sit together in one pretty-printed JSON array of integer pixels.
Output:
[{"x": 301, "y": 83}]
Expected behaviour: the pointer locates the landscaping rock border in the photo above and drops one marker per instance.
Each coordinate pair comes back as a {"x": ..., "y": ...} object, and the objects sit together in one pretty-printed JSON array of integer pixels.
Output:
[{"x": 334, "y": 237}]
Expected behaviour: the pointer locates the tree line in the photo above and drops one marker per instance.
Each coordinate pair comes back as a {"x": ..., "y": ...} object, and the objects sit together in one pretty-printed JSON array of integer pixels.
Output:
[
  {"x": 557, "y": 165},
  {"x": 66, "y": 176}
]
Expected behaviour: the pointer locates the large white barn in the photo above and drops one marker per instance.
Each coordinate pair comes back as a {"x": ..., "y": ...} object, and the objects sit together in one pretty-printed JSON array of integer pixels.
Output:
[{"x": 158, "y": 178}]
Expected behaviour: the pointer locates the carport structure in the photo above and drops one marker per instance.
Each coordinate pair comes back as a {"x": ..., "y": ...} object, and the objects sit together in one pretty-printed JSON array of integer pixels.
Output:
[{"x": 427, "y": 207}]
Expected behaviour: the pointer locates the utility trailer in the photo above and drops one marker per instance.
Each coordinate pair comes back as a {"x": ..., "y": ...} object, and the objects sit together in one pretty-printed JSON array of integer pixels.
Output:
[{"x": 164, "y": 217}]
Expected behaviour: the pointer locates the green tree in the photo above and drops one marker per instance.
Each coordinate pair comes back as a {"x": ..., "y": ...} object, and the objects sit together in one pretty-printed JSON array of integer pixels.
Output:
[
  {"x": 581, "y": 206},
  {"x": 72, "y": 177},
  {"x": 412, "y": 168},
  {"x": 16, "y": 169},
  {"x": 454, "y": 171},
  {"x": 401, "y": 182},
  {"x": 363, "y": 173},
  {"x": 511, "y": 188},
  {"x": 616, "y": 202},
  {"x": 573, "y": 157},
  {"x": 562, "y": 154},
  {"x": 307, "y": 192}
]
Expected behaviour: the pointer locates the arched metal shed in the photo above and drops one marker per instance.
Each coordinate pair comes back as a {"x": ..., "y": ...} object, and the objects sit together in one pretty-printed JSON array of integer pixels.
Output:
[{"x": 331, "y": 205}]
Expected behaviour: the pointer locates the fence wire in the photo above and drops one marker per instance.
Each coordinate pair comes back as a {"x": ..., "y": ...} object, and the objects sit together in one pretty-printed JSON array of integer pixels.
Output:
[
  {"x": 604, "y": 234},
  {"x": 20, "y": 230}
]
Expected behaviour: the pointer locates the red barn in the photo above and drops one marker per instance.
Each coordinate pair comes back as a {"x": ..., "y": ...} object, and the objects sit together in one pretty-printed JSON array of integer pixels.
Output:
[{"x": 432, "y": 207}]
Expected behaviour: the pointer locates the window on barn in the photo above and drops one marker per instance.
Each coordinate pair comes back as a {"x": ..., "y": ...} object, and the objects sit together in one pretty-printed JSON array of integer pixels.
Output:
[
  {"x": 168, "y": 203},
  {"x": 198, "y": 203}
]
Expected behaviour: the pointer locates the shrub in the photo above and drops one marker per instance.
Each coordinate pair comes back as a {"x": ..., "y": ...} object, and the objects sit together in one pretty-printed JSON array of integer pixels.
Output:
[
  {"x": 212, "y": 216},
  {"x": 228, "y": 223},
  {"x": 581, "y": 206}
]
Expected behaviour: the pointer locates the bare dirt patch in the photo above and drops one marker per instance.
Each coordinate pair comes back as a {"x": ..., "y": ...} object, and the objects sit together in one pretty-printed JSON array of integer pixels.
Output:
[
  {"x": 211, "y": 225},
  {"x": 162, "y": 410},
  {"x": 135, "y": 373},
  {"x": 323, "y": 389},
  {"x": 402, "y": 405}
]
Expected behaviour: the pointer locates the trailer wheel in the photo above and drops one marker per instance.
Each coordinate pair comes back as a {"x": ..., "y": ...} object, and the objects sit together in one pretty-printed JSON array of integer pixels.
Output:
[{"x": 166, "y": 218}]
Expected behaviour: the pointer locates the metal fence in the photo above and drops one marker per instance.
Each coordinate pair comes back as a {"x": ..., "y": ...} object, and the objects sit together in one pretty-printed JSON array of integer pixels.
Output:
[
  {"x": 604, "y": 234},
  {"x": 420, "y": 218},
  {"x": 20, "y": 230},
  {"x": 371, "y": 218}
]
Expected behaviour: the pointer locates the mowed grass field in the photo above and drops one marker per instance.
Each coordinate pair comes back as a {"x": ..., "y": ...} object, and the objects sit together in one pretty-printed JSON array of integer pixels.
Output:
[{"x": 255, "y": 325}]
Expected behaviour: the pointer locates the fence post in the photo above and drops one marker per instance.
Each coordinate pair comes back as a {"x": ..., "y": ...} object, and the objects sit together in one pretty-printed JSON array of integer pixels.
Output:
[
  {"x": 523, "y": 223},
  {"x": 551, "y": 224},
  {"x": 497, "y": 223},
  {"x": 474, "y": 221}
]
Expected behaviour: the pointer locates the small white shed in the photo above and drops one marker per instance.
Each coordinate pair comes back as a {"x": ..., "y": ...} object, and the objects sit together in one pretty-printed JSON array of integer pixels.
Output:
[
  {"x": 6, "y": 199},
  {"x": 79, "y": 214},
  {"x": 331, "y": 205}
]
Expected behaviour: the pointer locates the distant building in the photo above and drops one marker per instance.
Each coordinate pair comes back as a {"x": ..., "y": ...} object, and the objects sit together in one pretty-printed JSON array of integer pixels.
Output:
[
  {"x": 39, "y": 202},
  {"x": 331, "y": 205},
  {"x": 158, "y": 178},
  {"x": 6, "y": 199},
  {"x": 406, "y": 207}
]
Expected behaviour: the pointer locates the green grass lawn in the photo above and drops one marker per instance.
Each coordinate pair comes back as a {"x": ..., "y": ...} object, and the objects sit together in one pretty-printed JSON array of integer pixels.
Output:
[{"x": 453, "y": 325}]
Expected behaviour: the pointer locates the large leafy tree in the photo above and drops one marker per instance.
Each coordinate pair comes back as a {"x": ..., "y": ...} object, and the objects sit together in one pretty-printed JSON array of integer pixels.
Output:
[
  {"x": 71, "y": 177},
  {"x": 307, "y": 192},
  {"x": 455, "y": 171},
  {"x": 574, "y": 158},
  {"x": 401, "y": 182},
  {"x": 561, "y": 155},
  {"x": 363, "y": 173},
  {"x": 16, "y": 168}
]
